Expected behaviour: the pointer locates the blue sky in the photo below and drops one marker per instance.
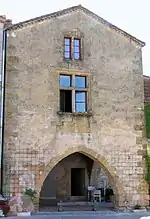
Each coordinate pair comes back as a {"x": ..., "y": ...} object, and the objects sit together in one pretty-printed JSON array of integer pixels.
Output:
[{"x": 132, "y": 16}]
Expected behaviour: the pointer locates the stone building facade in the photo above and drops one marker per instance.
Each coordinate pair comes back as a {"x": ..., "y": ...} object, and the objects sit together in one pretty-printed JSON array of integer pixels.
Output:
[{"x": 73, "y": 101}]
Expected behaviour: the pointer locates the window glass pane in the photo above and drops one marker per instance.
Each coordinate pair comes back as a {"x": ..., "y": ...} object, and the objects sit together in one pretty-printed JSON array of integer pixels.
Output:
[
  {"x": 67, "y": 41},
  {"x": 65, "y": 80},
  {"x": 76, "y": 42},
  {"x": 67, "y": 55},
  {"x": 80, "y": 82},
  {"x": 80, "y": 107},
  {"x": 80, "y": 96},
  {"x": 76, "y": 49},
  {"x": 76, "y": 56},
  {"x": 67, "y": 48}
]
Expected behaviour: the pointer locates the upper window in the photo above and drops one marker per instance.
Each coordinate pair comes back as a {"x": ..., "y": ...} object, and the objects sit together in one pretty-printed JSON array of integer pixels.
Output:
[
  {"x": 67, "y": 48},
  {"x": 77, "y": 49},
  {"x": 73, "y": 93},
  {"x": 72, "y": 48}
]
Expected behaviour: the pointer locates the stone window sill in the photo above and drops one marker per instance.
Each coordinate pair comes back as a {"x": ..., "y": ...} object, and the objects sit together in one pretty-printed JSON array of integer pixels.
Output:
[
  {"x": 72, "y": 61},
  {"x": 86, "y": 114}
]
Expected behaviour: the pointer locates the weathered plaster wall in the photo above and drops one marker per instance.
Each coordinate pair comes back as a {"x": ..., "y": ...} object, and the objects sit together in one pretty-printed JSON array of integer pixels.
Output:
[{"x": 36, "y": 137}]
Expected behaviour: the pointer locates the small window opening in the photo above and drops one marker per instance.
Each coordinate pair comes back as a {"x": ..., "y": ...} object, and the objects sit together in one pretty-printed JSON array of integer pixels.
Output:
[
  {"x": 67, "y": 48},
  {"x": 66, "y": 101},
  {"x": 65, "y": 81},
  {"x": 80, "y": 101},
  {"x": 77, "y": 49},
  {"x": 72, "y": 48},
  {"x": 73, "y": 93},
  {"x": 80, "y": 82}
]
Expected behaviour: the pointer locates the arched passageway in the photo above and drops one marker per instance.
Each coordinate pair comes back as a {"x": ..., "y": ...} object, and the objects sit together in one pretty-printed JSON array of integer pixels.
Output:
[{"x": 69, "y": 179}]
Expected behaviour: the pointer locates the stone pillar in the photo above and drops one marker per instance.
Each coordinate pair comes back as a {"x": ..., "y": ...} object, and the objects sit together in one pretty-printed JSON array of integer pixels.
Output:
[{"x": 3, "y": 24}]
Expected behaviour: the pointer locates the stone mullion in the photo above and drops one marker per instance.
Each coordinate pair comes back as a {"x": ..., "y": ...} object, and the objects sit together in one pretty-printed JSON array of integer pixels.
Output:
[
  {"x": 73, "y": 93},
  {"x": 72, "y": 48}
]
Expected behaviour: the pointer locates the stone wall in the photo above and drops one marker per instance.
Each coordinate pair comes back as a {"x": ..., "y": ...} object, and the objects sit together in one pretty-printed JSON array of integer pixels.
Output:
[
  {"x": 2, "y": 21},
  {"x": 37, "y": 137},
  {"x": 99, "y": 178}
]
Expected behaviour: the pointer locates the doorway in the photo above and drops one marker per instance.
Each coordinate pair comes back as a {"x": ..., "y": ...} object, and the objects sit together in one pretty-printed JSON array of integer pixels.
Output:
[{"x": 77, "y": 181}]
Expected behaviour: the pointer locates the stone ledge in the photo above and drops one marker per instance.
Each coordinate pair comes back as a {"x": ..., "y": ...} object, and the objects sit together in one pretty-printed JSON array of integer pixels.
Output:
[
  {"x": 77, "y": 203},
  {"x": 86, "y": 114},
  {"x": 139, "y": 210}
]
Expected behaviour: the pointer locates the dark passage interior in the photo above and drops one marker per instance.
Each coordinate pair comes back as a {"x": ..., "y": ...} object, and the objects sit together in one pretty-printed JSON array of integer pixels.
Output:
[
  {"x": 77, "y": 181},
  {"x": 66, "y": 100}
]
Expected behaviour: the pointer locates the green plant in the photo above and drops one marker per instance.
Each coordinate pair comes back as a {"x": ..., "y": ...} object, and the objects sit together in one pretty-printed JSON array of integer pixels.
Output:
[
  {"x": 137, "y": 206},
  {"x": 147, "y": 177},
  {"x": 31, "y": 193},
  {"x": 147, "y": 157},
  {"x": 147, "y": 118}
]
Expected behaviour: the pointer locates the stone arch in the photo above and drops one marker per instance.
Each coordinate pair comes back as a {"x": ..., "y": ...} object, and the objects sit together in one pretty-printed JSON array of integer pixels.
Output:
[{"x": 109, "y": 170}]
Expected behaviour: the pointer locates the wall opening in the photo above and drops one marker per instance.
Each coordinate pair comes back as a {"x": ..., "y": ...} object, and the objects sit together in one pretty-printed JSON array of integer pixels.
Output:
[
  {"x": 77, "y": 181},
  {"x": 70, "y": 178}
]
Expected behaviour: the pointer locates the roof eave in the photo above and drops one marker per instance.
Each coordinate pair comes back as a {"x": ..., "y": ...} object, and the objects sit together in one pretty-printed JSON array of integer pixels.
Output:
[{"x": 68, "y": 10}]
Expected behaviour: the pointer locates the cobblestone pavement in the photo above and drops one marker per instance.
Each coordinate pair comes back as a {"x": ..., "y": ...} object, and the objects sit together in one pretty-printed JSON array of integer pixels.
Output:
[{"x": 86, "y": 215}]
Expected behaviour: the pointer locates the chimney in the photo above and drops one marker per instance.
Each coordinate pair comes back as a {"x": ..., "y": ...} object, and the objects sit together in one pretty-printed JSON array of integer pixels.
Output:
[
  {"x": 2, "y": 21},
  {"x": 8, "y": 23}
]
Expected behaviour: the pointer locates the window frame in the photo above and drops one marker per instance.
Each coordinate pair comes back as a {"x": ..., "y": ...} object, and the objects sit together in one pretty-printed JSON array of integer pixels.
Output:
[
  {"x": 70, "y": 80},
  {"x": 78, "y": 102},
  {"x": 66, "y": 107},
  {"x": 72, "y": 48},
  {"x": 77, "y": 47},
  {"x": 75, "y": 89}
]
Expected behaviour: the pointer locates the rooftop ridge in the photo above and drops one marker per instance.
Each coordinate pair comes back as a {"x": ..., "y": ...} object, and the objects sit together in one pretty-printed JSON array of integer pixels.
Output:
[{"x": 69, "y": 10}]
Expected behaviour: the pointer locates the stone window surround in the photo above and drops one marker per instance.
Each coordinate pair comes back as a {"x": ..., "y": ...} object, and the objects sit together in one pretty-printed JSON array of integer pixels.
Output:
[
  {"x": 73, "y": 74},
  {"x": 74, "y": 34}
]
